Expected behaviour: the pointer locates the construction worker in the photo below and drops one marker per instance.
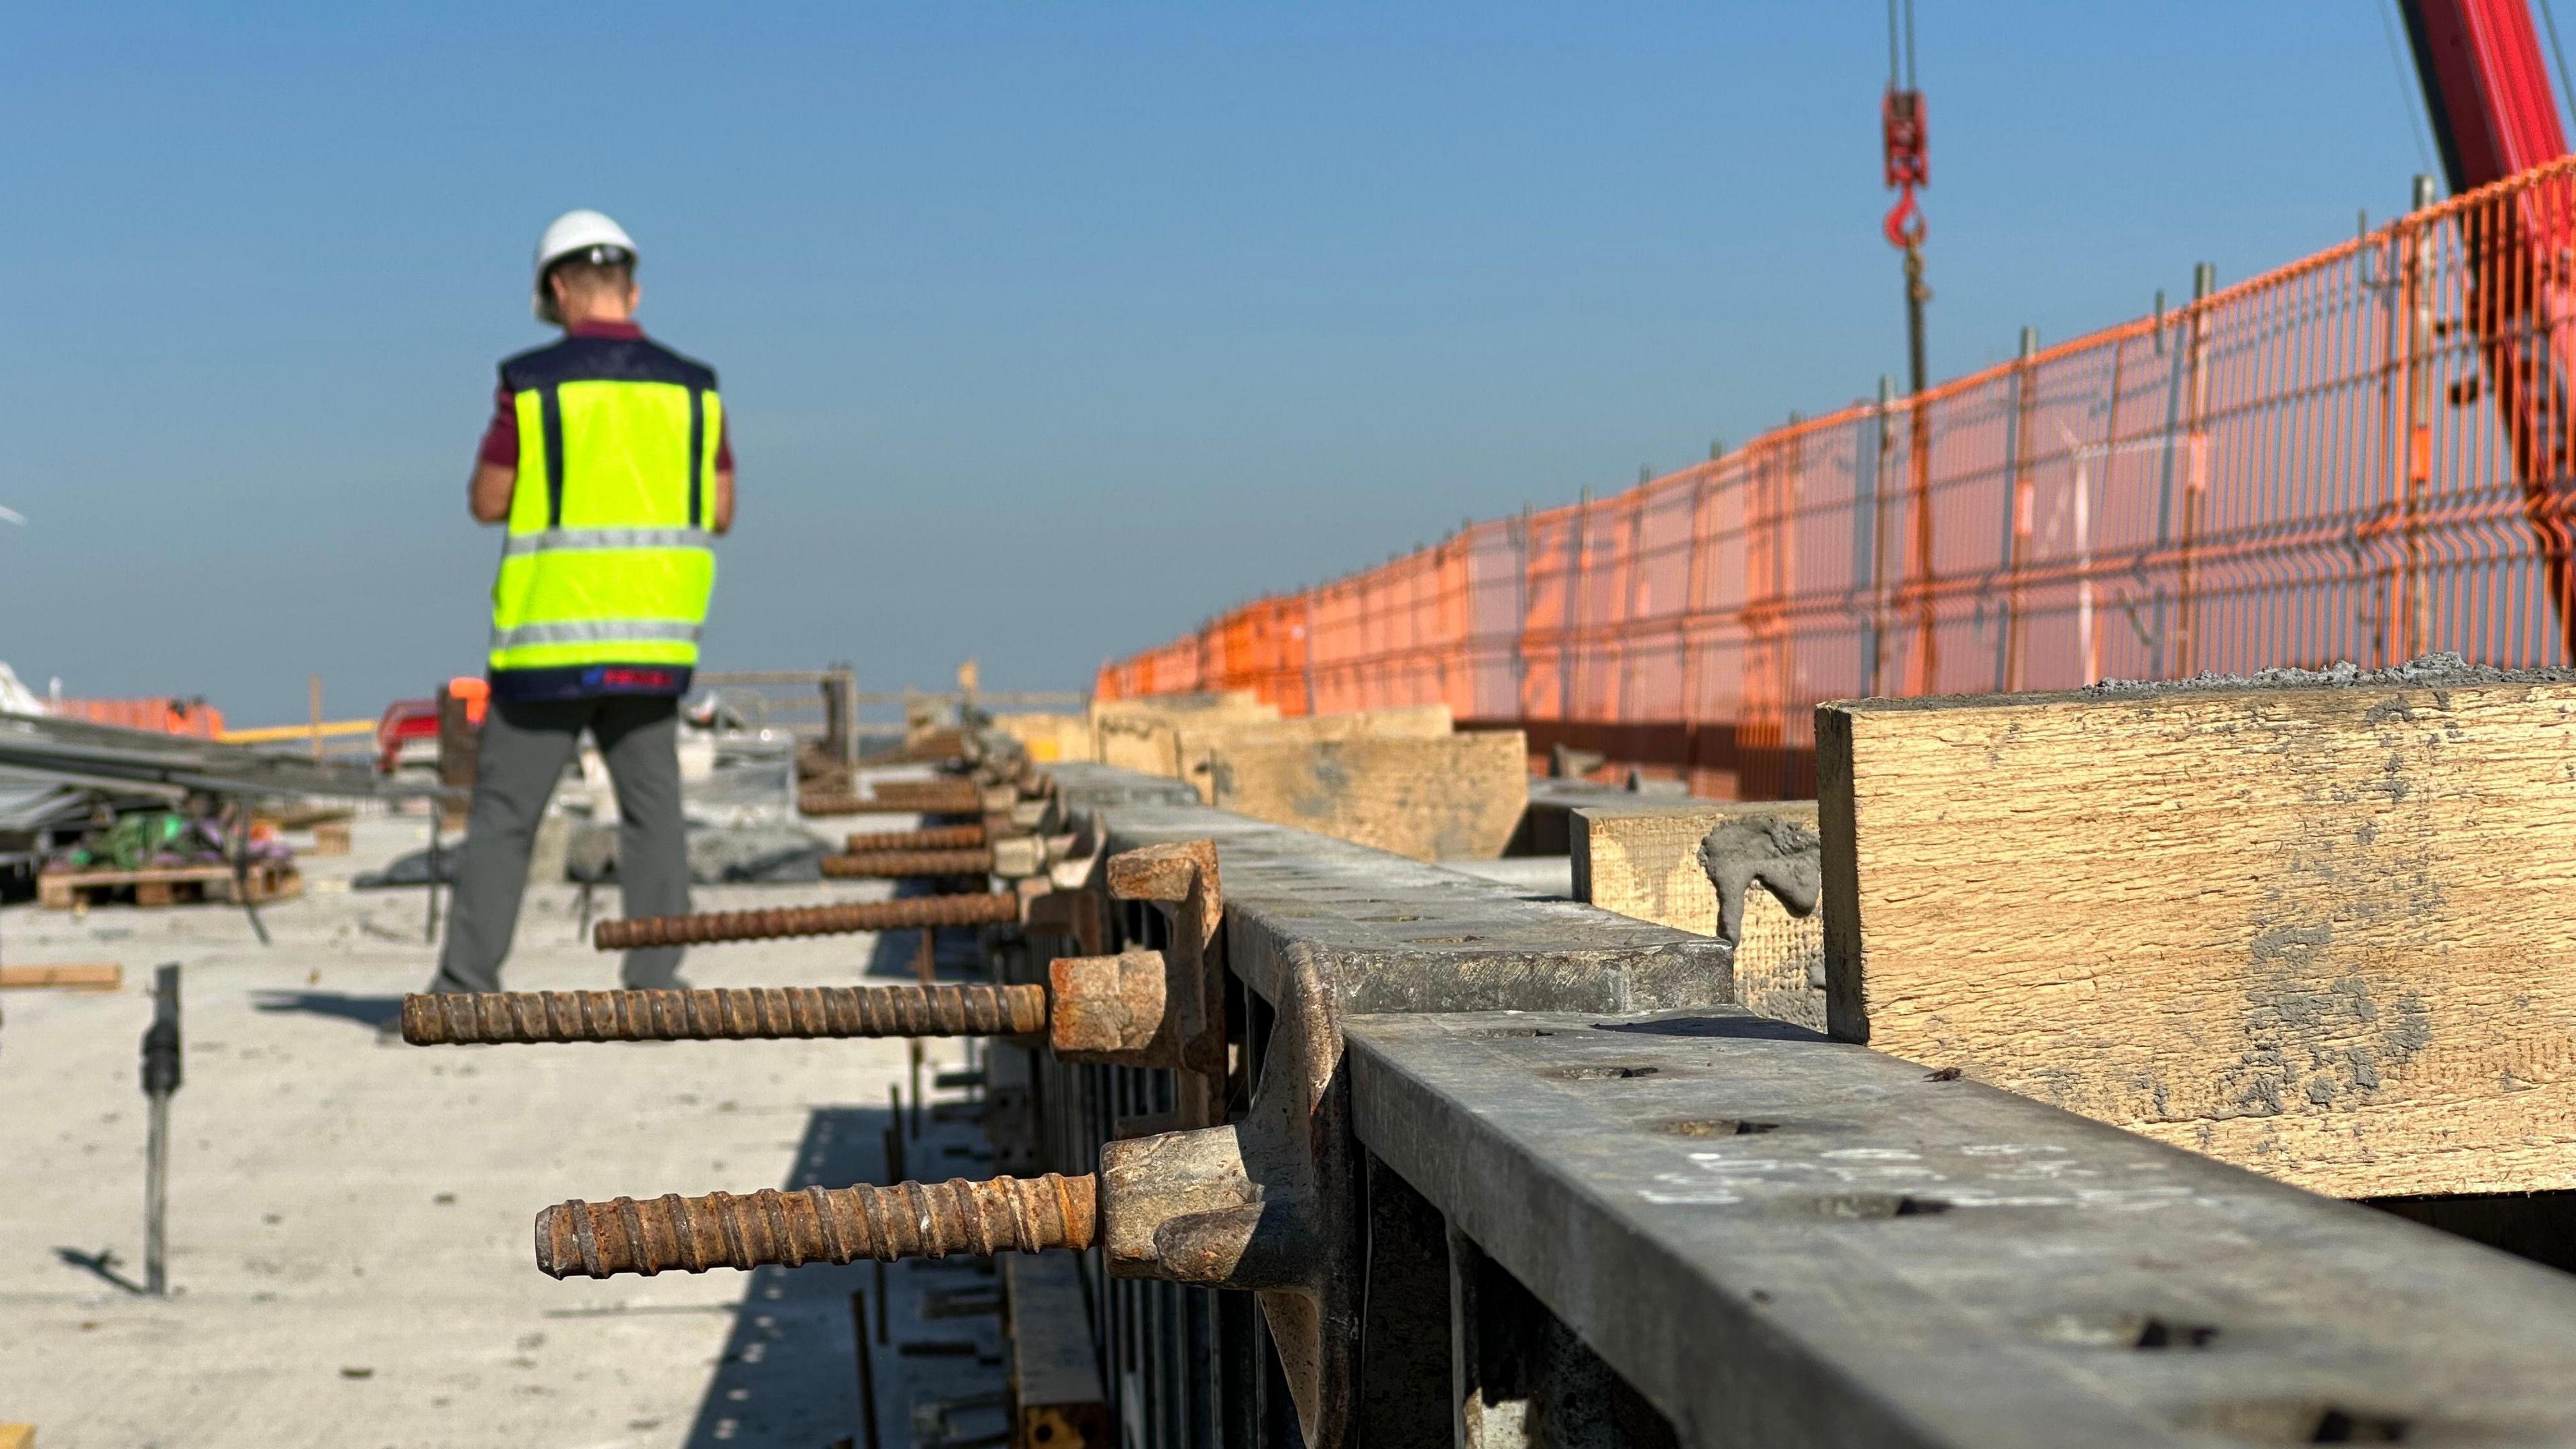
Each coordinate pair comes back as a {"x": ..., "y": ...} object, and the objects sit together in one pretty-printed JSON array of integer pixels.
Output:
[{"x": 608, "y": 463}]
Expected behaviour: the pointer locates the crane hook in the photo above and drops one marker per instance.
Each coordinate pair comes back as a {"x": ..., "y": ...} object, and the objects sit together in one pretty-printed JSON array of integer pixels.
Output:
[{"x": 1904, "y": 223}]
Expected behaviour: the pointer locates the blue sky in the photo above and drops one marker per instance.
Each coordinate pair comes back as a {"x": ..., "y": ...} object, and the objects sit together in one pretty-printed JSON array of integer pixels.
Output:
[{"x": 1049, "y": 329}]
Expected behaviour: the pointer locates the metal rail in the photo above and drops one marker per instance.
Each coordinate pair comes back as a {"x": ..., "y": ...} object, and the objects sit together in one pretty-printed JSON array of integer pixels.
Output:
[
  {"x": 105, "y": 752},
  {"x": 1561, "y": 1192},
  {"x": 1357, "y": 1151}
]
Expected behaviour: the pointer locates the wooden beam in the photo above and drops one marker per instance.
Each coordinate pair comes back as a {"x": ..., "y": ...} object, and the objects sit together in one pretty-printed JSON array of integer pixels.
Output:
[
  {"x": 1458, "y": 797},
  {"x": 1144, "y": 734},
  {"x": 2316, "y": 929},
  {"x": 86, "y": 976},
  {"x": 1200, "y": 747},
  {"x": 274, "y": 734},
  {"x": 1056, "y": 1397},
  {"x": 1644, "y": 861}
]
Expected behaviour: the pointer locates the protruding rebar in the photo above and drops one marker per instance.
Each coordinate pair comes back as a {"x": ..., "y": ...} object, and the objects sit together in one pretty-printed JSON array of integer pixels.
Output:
[
  {"x": 896, "y": 864},
  {"x": 756, "y": 1014},
  {"x": 817, "y": 1225},
  {"x": 833, "y": 802},
  {"x": 936, "y": 837},
  {"x": 947, "y": 795},
  {"x": 914, "y": 913}
]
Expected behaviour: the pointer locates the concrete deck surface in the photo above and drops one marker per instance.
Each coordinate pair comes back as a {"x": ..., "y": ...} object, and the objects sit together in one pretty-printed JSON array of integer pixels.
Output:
[{"x": 349, "y": 1221}]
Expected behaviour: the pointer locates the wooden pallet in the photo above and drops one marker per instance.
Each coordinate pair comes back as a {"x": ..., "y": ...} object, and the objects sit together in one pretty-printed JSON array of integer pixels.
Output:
[{"x": 166, "y": 885}]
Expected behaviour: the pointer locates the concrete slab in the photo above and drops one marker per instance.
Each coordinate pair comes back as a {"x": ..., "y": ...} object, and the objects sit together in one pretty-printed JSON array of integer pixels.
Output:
[{"x": 349, "y": 1230}]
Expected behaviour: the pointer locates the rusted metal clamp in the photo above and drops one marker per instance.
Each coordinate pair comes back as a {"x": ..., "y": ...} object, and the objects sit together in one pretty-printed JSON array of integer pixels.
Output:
[
  {"x": 1266, "y": 1204},
  {"x": 1161, "y": 1008}
]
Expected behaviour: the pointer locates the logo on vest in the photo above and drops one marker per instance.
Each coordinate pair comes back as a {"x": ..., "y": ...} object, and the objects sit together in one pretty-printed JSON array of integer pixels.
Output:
[{"x": 625, "y": 677}]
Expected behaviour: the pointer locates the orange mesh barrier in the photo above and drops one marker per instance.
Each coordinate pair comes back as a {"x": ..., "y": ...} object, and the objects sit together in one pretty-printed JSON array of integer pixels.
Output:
[
  {"x": 2363, "y": 456},
  {"x": 162, "y": 716}
]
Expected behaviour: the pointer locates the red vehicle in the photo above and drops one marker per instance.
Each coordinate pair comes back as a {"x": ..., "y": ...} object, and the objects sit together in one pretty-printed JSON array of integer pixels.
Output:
[{"x": 407, "y": 736}]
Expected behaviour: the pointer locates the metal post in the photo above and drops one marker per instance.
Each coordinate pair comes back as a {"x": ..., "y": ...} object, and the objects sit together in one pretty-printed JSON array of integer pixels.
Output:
[
  {"x": 437, "y": 810},
  {"x": 2085, "y": 627},
  {"x": 2195, "y": 486},
  {"x": 1927, "y": 646},
  {"x": 241, "y": 869},
  {"x": 1578, "y": 546},
  {"x": 867, "y": 1364},
  {"x": 2016, "y": 515},
  {"x": 160, "y": 1080},
  {"x": 1874, "y": 659},
  {"x": 1520, "y": 613},
  {"x": 894, "y": 1166},
  {"x": 1694, "y": 589},
  {"x": 313, "y": 687},
  {"x": 1631, "y": 601},
  {"x": 2415, "y": 621},
  {"x": 841, "y": 714}
]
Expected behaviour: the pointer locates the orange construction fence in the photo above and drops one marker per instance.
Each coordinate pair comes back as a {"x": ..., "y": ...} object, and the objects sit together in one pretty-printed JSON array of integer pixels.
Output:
[
  {"x": 2363, "y": 456},
  {"x": 192, "y": 717}
]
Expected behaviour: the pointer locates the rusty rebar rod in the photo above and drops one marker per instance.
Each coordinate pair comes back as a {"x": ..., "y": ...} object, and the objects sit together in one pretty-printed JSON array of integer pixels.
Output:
[
  {"x": 755, "y": 1014},
  {"x": 949, "y": 795},
  {"x": 832, "y": 802},
  {"x": 935, "y": 837},
  {"x": 913, "y": 913},
  {"x": 817, "y": 1225},
  {"x": 901, "y": 864}
]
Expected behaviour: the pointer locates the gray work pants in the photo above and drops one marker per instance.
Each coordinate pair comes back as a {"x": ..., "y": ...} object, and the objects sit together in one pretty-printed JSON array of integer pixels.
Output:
[{"x": 524, "y": 750}]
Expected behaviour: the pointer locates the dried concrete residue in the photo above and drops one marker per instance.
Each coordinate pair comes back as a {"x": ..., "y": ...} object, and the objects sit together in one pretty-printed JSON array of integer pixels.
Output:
[
  {"x": 1785, "y": 856},
  {"x": 2425, "y": 671}
]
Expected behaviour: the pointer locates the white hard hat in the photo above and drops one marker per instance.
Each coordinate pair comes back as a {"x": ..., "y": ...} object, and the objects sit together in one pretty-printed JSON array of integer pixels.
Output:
[{"x": 569, "y": 235}]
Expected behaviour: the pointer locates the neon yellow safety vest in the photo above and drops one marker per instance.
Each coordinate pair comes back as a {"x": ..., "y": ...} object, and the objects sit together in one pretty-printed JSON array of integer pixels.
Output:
[{"x": 607, "y": 567}]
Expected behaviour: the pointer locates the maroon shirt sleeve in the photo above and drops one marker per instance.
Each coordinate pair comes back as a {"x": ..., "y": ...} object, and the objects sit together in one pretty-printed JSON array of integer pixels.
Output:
[{"x": 501, "y": 436}]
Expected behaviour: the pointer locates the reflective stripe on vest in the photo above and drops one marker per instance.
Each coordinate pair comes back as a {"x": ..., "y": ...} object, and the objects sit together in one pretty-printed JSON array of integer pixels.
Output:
[
  {"x": 607, "y": 559},
  {"x": 597, "y": 631},
  {"x": 556, "y": 539}
]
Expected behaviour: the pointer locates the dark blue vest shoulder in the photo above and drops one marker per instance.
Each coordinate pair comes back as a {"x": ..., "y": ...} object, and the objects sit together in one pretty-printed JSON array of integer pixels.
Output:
[{"x": 604, "y": 359}]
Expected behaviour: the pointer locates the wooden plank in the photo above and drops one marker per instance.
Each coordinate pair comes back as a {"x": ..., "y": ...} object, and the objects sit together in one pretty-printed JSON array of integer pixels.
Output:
[
  {"x": 1056, "y": 1397},
  {"x": 1644, "y": 861},
  {"x": 85, "y": 976},
  {"x": 1051, "y": 738},
  {"x": 1458, "y": 797},
  {"x": 1144, "y": 734},
  {"x": 269, "y": 880},
  {"x": 1197, "y": 747},
  {"x": 2318, "y": 930},
  {"x": 273, "y": 734}
]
